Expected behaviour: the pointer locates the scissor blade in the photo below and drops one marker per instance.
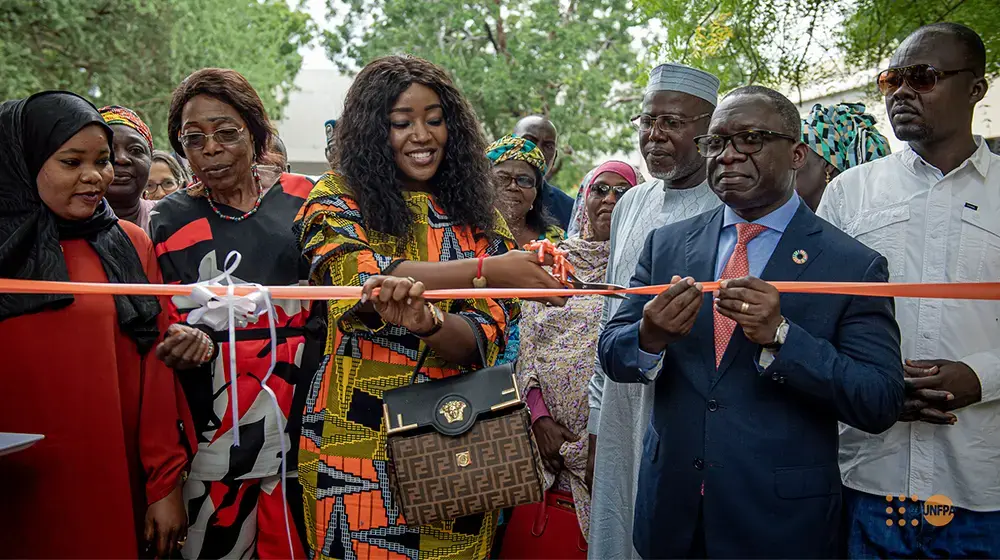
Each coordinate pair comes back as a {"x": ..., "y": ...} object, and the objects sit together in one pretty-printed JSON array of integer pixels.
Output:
[{"x": 602, "y": 286}]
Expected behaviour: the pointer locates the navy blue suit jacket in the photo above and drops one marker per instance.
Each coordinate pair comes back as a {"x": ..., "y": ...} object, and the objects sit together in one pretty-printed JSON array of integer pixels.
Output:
[
  {"x": 763, "y": 442},
  {"x": 558, "y": 203}
]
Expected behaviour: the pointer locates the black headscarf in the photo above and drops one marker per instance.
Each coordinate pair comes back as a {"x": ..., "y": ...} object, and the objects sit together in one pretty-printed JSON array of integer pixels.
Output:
[{"x": 31, "y": 130}]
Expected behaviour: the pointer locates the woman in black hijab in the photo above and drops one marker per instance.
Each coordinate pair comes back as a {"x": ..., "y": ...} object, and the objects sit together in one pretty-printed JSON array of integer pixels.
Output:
[{"x": 77, "y": 369}]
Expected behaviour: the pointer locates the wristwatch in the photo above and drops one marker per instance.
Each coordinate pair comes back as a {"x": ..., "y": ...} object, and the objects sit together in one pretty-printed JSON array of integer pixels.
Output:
[
  {"x": 438, "y": 317},
  {"x": 779, "y": 336}
]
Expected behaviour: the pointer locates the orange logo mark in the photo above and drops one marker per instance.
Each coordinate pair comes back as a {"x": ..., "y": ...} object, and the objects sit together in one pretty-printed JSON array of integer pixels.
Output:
[{"x": 937, "y": 510}]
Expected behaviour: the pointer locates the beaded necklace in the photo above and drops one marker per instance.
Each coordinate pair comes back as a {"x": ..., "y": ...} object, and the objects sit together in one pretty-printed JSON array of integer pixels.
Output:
[{"x": 248, "y": 213}]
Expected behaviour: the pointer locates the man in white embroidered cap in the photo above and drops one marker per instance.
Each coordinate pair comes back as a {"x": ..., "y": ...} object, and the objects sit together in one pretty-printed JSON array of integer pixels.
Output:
[{"x": 678, "y": 104}]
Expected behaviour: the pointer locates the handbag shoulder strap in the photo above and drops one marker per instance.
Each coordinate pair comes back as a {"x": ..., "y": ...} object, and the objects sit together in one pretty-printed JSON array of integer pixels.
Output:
[{"x": 480, "y": 346}]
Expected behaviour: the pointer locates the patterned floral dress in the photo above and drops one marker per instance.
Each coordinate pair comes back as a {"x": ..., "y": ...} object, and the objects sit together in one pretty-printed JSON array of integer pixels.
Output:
[{"x": 349, "y": 508}]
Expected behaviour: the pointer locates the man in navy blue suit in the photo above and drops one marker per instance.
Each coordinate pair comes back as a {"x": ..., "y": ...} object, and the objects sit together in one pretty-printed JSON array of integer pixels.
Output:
[{"x": 740, "y": 457}]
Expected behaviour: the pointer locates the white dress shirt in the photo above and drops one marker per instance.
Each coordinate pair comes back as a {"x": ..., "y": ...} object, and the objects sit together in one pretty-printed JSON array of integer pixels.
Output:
[{"x": 932, "y": 228}]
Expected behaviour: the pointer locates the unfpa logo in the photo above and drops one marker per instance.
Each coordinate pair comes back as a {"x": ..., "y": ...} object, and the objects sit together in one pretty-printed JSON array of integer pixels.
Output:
[{"x": 937, "y": 511}]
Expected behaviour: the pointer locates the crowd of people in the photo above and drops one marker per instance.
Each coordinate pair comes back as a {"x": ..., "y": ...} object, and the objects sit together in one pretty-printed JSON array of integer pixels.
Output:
[{"x": 742, "y": 422}]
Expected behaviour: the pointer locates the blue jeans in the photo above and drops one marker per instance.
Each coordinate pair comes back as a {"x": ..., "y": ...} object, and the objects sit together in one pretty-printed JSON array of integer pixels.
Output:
[{"x": 970, "y": 534}]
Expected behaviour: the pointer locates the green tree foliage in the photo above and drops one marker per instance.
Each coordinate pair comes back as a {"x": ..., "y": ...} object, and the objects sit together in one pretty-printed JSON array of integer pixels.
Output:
[
  {"x": 877, "y": 27},
  {"x": 572, "y": 60},
  {"x": 795, "y": 43},
  {"x": 135, "y": 52}
]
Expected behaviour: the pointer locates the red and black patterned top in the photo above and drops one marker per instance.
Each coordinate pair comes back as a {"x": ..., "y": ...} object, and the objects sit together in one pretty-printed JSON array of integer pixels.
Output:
[{"x": 192, "y": 243}]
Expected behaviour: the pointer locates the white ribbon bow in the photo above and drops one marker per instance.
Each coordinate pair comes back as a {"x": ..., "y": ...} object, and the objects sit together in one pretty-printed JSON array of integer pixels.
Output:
[{"x": 231, "y": 311}]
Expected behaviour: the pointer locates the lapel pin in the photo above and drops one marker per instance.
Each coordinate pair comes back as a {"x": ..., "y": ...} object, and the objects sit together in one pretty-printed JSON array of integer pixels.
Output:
[{"x": 800, "y": 256}]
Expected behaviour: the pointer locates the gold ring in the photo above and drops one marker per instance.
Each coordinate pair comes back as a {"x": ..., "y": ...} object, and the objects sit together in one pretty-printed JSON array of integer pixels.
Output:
[
  {"x": 411, "y": 279},
  {"x": 745, "y": 307},
  {"x": 180, "y": 542}
]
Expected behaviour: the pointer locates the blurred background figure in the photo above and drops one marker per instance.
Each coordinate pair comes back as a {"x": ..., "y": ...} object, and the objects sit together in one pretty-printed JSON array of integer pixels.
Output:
[
  {"x": 280, "y": 154},
  {"x": 541, "y": 131},
  {"x": 133, "y": 152},
  {"x": 329, "y": 127},
  {"x": 841, "y": 136},
  {"x": 165, "y": 176}
]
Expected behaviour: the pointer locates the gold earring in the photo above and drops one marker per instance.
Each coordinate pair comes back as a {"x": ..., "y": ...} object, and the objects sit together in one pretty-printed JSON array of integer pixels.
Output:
[{"x": 827, "y": 175}]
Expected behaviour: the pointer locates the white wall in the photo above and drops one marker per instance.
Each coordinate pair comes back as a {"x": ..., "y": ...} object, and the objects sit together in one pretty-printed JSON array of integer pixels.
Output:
[{"x": 318, "y": 97}]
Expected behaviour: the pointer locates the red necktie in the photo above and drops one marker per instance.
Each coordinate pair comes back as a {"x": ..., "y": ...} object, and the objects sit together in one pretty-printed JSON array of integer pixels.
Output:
[{"x": 737, "y": 267}]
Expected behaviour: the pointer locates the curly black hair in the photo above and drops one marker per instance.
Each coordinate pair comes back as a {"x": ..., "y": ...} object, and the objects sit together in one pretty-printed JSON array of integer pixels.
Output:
[{"x": 363, "y": 156}]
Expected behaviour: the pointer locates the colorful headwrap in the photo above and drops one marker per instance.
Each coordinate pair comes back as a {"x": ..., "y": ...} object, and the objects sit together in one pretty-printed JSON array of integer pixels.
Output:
[
  {"x": 843, "y": 135},
  {"x": 516, "y": 148},
  {"x": 114, "y": 114}
]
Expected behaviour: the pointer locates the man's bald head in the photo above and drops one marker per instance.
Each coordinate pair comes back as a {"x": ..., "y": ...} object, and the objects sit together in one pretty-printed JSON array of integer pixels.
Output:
[{"x": 542, "y": 132}]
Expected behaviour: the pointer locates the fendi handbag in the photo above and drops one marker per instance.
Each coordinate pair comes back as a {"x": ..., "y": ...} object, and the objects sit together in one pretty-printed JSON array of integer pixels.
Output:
[{"x": 461, "y": 446}]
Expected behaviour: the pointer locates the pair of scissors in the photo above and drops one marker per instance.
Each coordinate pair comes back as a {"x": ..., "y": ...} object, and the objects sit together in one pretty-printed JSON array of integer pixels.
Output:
[{"x": 581, "y": 285}]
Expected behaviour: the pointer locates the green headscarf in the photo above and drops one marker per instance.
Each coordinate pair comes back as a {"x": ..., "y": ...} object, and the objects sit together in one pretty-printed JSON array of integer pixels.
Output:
[
  {"x": 516, "y": 148},
  {"x": 844, "y": 135}
]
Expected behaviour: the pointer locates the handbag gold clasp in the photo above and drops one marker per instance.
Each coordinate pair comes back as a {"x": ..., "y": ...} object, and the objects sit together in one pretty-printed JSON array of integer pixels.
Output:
[{"x": 464, "y": 459}]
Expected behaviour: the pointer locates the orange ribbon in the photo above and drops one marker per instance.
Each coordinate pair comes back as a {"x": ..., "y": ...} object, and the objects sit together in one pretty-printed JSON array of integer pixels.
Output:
[{"x": 953, "y": 290}]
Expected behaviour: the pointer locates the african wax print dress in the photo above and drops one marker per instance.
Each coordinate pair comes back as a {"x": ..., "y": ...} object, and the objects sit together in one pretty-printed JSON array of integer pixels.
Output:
[
  {"x": 233, "y": 494},
  {"x": 350, "y": 510}
]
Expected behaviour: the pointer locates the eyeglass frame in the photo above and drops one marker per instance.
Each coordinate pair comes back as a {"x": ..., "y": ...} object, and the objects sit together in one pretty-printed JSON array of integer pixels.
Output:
[
  {"x": 513, "y": 179},
  {"x": 937, "y": 73},
  {"x": 656, "y": 119},
  {"x": 181, "y": 137},
  {"x": 159, "y": 186},
  {"x": 727, "y": 139}
]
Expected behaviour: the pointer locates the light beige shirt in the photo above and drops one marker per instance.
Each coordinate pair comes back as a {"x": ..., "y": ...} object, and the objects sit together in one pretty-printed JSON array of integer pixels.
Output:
[{"x": 932, "y": 228}]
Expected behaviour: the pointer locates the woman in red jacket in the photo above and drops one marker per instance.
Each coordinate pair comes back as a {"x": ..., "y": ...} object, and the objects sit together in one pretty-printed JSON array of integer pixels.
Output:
[{"x": 105, "y": 480}]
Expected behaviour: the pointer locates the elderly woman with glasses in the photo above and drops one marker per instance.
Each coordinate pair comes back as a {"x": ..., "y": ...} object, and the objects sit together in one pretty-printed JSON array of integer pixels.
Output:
[
  {"x": 518, "y": 169},
  {"x": 238, "y": 202},
  {"x": 165, "y": 176}
]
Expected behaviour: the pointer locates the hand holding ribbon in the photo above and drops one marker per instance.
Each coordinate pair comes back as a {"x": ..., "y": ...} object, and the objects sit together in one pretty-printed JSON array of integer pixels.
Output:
[{"x": 230, "y": 311}]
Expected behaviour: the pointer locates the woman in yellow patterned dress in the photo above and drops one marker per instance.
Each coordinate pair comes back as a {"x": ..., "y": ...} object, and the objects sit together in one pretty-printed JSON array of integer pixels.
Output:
[{"x": 410, "y": 207}]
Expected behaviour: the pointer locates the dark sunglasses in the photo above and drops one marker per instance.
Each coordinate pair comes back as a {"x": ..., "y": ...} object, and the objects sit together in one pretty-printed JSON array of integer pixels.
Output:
[
  {"x": 523, "y": 181},
  {"x": 921, "y": 78},
  {"x": 746, "y": 142},
  {"x": 602, "y": 190}
]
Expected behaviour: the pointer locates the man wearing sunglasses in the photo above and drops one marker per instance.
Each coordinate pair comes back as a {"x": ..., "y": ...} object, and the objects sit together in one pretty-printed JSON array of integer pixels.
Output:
[
  {"x": 676, "y": 107},
  {"x": 933, "y": 210},
  {"x": 740, "y": 455}
]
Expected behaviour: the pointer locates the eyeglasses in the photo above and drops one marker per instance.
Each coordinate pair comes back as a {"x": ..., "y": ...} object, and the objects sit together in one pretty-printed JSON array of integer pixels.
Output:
[
  {"x": 922, "y": 78},
  {"x": 167, "y": 185},
  {"x": 225, "y": 136},
  {"x": 602, "y": 190},
  {"x": 746, "y": 142},
  {"x": 666, "y": 123},
  {"x": 523, "y": 181}
]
